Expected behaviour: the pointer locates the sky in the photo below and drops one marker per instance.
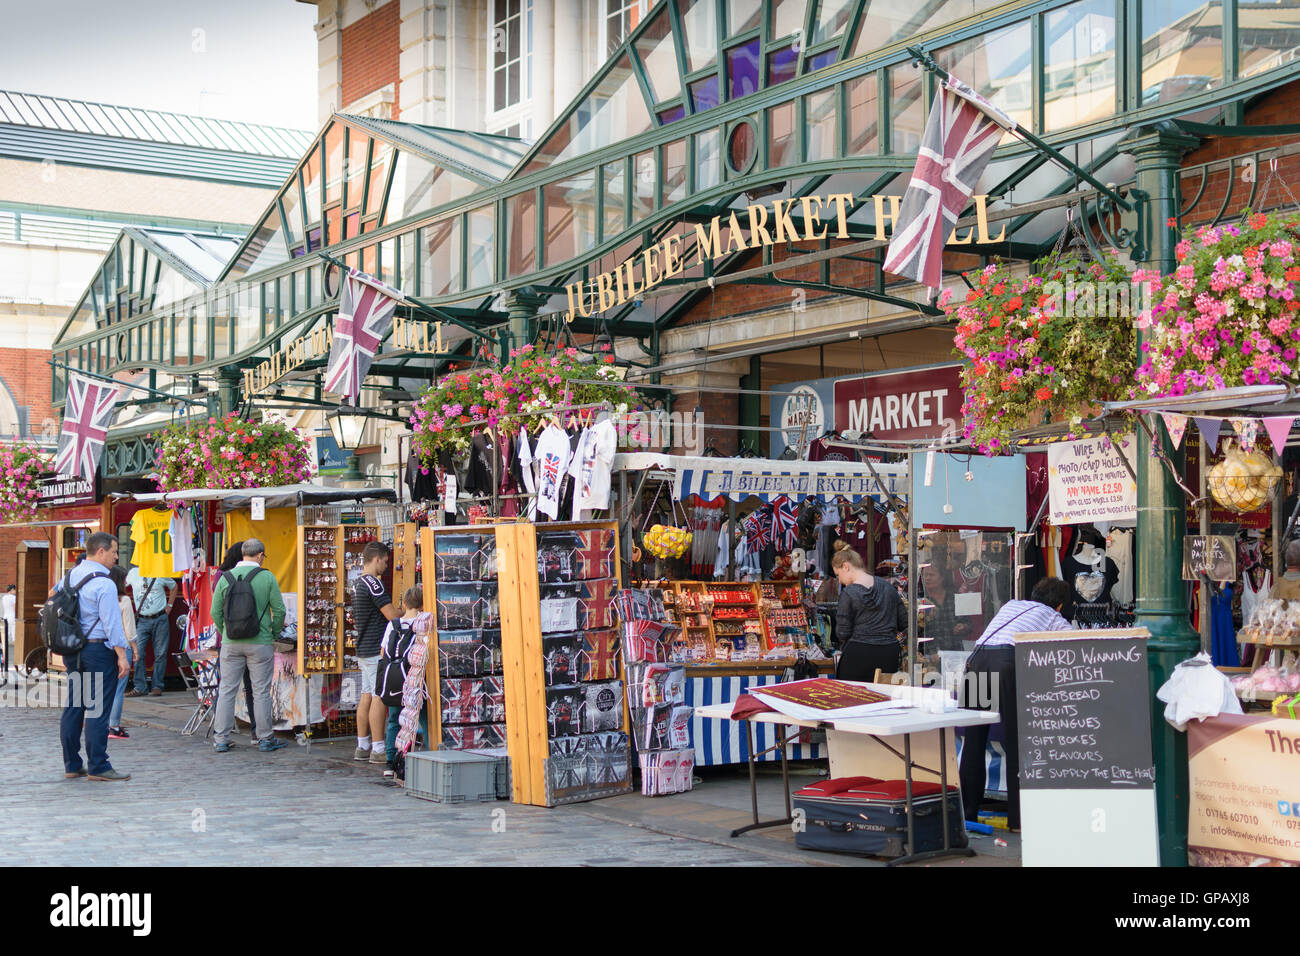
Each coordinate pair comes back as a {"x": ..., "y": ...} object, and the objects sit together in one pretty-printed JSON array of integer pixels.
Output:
[{"x": 251, "y": 60}]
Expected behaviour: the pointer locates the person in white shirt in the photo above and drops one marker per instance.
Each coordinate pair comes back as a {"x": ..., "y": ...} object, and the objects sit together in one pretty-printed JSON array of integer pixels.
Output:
[
  {"x": 8, "y": 608},
  {"x": 989, "y": 683},
  {"x": 153, "y": 598}
]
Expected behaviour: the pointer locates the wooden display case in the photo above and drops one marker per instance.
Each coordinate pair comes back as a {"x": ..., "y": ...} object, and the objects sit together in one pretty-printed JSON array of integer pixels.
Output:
[
  {"x": 713, "y": 614},
  {"x": 519, "y": 606},
  {"x": 406, "y": 559},
  {"x": 326, "y": 630}
]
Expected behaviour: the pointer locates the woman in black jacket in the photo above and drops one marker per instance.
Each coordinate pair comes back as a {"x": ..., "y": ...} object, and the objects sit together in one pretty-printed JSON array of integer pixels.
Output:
[{"x": 869, "y": 617}]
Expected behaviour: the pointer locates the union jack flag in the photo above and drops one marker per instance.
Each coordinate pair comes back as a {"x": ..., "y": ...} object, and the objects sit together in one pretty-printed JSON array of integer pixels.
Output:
[
  {"x": 758, "y": 530},
  {"x": 461, "y": 701},
  {"x": 960, "y": 136},
  {"x": 366, "y": 309},
  {"x": 598, "y": 603},
  {"x": 783, "y": 524},
  {"x": 86, "y": 418}
]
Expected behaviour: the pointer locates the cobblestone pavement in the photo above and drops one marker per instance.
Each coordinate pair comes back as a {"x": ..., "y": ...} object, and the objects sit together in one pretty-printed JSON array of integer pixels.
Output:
[{"x": 186, "y": 805}]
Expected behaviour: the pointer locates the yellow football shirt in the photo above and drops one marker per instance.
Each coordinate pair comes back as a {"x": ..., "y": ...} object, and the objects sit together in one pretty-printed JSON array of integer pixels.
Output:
[{"x": 153, "y": 543}]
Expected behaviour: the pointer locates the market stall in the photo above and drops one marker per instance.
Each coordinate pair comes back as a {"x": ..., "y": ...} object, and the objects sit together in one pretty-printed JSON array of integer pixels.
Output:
[
  {"x": 289, "y": 520},
  {"x": 763, "y": 531}
]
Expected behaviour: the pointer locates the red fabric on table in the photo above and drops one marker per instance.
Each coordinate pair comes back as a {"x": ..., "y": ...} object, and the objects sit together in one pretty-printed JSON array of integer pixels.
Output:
[{"x": 836, "y": 785}]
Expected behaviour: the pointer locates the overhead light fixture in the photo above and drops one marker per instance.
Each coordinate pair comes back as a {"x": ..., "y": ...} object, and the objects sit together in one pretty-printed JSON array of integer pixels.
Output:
[{"x": 347, "y": 422}]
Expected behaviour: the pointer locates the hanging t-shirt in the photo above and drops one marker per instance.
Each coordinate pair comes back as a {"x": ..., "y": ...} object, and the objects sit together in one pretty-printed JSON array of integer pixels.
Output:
[
  {"x": 1119, "y": 548},
  {"x": 1091, "y": 574},
  {"x": 524, "y": 452},
  {"x": 591, "y": 468},
  {"x": 197, "y": 588},
  {"x": 151, "y": 533},
  {"x": 181, "y": 529},
  {"x": 552, "y": 460}
]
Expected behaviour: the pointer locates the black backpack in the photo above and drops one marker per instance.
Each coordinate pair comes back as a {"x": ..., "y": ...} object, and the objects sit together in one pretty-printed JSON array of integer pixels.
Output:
[
  {"x": 61, "y": 617},
  {"x": 239, "y": 606},
  {"x": 391, "y": 678}
]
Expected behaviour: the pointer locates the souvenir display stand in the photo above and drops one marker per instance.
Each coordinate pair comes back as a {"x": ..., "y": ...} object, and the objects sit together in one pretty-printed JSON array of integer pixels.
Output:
[
  {"x": 741, "y": 635},
  {"x": 406, "y": 557},
  {"x": 555, "y": 679},
  {"x": 329, "y": 563}
]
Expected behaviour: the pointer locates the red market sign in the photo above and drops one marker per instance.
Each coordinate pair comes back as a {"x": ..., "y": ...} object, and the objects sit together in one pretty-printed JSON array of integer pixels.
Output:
[{"x": 901, "y": 405}]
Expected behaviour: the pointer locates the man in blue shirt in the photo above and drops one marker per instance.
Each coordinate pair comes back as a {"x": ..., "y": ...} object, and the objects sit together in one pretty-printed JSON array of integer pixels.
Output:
[
  {"x": 93, "y": 674},
  {"x": 153, "y": 599}
]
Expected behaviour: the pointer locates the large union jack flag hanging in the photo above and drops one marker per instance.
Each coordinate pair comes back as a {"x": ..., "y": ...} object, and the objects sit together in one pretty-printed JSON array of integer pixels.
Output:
[
  {"x": 784, "y": 524},
  {"x": 960, "y": 136},
  {"x": 366, "y": 308},
  {"x": 86, "y": 417}
]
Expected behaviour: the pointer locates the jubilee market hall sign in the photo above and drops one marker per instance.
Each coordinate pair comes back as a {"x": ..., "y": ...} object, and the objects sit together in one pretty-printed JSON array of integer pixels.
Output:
[{"x": 765, "y": 224}]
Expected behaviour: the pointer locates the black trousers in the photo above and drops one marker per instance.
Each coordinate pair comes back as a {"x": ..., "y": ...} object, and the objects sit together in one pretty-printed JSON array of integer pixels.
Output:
[
  {"x": 990, "y": 685},
  {"x": 859, "y": 661}
]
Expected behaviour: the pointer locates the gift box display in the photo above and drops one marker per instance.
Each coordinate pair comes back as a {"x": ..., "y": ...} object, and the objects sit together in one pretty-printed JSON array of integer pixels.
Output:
[
  {"x": 584, "y": 762},
  {"x": 567, "y": 766},
  {"x": 468, "y": 606},
  {"x": 474, "y": 736},
  {"x": 465, "y": 557},
  {"x": 562, "y": 653},
  {"x": 473, "y": 700},
  {"x": 564, "y": 706},
  {"x": 599, "y": 657},
  {"x": 594, "y": 606},
  {"x": 608, "y": 762},
  {"x": 564, "y": 556},
  {"x": 473, "y": 653},
  {"x": 602, "y": 706}
]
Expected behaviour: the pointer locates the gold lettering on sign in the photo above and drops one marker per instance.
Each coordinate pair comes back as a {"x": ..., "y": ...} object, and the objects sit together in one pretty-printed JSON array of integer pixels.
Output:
[{"x": 767, "y": 224}]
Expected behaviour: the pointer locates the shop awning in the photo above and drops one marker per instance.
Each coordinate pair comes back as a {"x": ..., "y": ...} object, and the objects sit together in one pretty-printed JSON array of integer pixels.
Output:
[
  {"x": 766, "y": 478},
  {"x": 279, "y": 496}
]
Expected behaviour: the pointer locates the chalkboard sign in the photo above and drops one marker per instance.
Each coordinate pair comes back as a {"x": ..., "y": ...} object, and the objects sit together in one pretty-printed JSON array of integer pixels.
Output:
[
  {"x": 1084, "y": 710},
  {"x": 1214, "y": 554}
]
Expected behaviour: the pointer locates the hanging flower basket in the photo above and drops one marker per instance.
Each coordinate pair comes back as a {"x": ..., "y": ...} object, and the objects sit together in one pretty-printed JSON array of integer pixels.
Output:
[
  {"x": 21, "y": 467},
  {"x": 1046, "y": 347},
  {"x": 521, "y": 394},
  {"x": 231, "y": 452},
  {"x": 1227, "y": 316}
]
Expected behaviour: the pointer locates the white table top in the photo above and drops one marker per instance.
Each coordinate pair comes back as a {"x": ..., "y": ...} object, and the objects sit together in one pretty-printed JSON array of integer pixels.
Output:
[{"x": 911, "y": 721}]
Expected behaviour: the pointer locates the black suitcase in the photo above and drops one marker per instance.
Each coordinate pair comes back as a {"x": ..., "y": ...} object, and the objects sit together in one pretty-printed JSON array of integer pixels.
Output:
[{"x": 867, "y": 816}]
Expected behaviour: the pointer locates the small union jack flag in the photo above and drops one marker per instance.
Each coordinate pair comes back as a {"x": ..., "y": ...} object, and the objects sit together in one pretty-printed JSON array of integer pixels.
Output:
[
  {"x": 960, "y": 136},
  {"x": 758, "y": 530},
  {"x": 461, "y": 701},
  {"x": 784, "y": 524},
  {"x": 598, "y": 602},
  {"x": 366, "y": 308},
  {"x": 86, "y": 418}
]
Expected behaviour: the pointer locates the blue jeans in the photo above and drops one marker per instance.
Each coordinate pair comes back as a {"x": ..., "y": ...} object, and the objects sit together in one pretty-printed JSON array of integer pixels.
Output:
[
  {"x": 115, "y": 715},
  {"x": 157, "y": 630},
  {"x": 395, "y": 725},
  {"x": 92, "y": 681}
]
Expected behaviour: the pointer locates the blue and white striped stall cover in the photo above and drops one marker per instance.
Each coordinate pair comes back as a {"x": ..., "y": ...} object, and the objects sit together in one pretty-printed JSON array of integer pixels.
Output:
[
  {"x": 767, "y": 479},
  {"x": 719, "y": 742}
]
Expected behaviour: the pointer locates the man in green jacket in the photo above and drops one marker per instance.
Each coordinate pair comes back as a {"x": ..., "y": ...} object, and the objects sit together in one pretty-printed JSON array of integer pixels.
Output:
[{"x": 257, "y": 653}]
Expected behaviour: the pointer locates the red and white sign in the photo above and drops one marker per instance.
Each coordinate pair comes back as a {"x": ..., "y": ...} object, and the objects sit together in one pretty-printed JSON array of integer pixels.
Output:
[{"x": 901, "y": 405}]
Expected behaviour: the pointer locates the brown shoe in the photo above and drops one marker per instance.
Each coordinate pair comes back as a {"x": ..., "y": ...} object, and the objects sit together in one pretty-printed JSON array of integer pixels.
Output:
[
  {"x": 74, "y": 776},
  {"x": 134, "y": 693},
  {"x": 156, "y": 692}
]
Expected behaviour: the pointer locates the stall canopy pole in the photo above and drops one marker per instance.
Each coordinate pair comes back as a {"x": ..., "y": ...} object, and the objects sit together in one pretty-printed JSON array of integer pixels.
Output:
[
  {"x": 1204, "y": 585},
  {"x": 914, "y": 579}
]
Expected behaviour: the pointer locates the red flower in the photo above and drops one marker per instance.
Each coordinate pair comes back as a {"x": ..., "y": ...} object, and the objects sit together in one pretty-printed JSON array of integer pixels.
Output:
[
  {"x": 1293, "y": 274},
  {"x": 994, "y": 322},
  {"x": 609, "y": 360},
  {"x": 1014, "y": 303},
  {"x": 1043, "y": 394},
  {"x": 1258, "y": 221},
  {"x": 1172, "y": 222}
]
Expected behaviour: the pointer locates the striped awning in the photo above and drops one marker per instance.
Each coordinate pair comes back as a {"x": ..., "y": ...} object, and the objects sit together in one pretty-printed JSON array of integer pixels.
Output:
[{"x": 768, "y": 479}]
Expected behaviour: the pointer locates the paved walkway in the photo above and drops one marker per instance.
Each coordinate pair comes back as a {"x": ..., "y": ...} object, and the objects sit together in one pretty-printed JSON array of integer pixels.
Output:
[{"x": 313, "y": 805}]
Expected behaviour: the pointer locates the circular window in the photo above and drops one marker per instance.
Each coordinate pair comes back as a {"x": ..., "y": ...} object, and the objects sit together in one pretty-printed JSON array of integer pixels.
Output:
[
  {"x": 742, "y": 147},
  {"x": 329, "y": 269}
]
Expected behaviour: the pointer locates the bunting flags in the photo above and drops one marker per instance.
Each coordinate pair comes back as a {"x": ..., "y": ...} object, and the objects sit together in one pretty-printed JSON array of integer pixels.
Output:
[
  {"x": 1176, "y": 426},
  {"x": 1209, "y": 428},
  {"x": 1247, "y": 429},
  {"x": 960, "y": 136},
  {"x": 86, "y": 418},
  {"x": 366, "y": 308},
  {"x": 1278, "y": 429}
]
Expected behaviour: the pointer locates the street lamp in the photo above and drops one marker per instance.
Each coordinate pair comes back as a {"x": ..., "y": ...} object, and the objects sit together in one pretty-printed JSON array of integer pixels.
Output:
[{"x": 346, "y": 425}]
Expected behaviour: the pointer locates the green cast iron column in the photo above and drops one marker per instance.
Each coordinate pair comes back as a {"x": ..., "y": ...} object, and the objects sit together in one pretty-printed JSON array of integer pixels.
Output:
[
  {"x": 522, "y": 307},
  {"x": 1161, "y": 515},
  {"x": 230, "y": 381}
]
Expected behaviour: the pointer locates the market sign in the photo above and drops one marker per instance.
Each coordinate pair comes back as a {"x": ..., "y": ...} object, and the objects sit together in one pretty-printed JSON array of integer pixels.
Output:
[
  {"x": 58, "y": 490},
  {"x": 899, "y": 406},
  {"x": 795, "y": 483},
  {"x": 330, "y": 459},
  {"x": 1087, "y": 481},
  {"x": 802, "y": 416},
  {"x": 1245, "y": 783},
  {"x": 756, "y": 227}
]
